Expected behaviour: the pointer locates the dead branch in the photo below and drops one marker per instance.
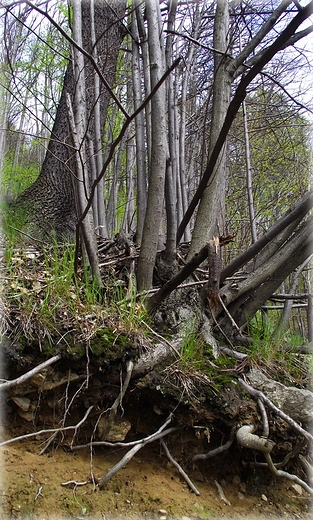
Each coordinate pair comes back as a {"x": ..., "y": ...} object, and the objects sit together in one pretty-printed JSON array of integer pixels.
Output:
[
  {"x": 129, "y": 455},
  {"x": 50, "y": 430},
  {"x": 215, "y": 266},
  {"x": 217, "y": 451},
  {"x": 259, "y": 395},
  {"x": 176, "y": 280},
  {"x": 180, "y": 469},
  {"x": 15, "y": 382}
]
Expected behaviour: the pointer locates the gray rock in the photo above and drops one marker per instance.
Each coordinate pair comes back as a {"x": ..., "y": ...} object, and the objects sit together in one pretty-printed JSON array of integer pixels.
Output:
[{"x": 295, "y": 402}]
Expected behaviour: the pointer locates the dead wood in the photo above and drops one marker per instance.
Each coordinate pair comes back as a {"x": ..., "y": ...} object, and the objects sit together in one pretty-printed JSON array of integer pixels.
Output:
[
  {"x": 293, "y": 216},
  {"x": 215, "y": 266}
]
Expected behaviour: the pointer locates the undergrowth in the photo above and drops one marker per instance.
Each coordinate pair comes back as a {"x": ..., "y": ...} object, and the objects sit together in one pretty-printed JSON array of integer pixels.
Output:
[
  {"x": 45, "y": 299},
  {"x": 277, "y": 354}
]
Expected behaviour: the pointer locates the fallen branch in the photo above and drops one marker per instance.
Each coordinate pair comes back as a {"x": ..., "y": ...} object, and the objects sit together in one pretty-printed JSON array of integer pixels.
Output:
[
  {"x": 129, "y": 455},
  {"x": 217, "y": 451},
  {"x": 259, "y": 395},
  {"x": 15, "y": 382},
  {"x": 50, "y": 430},
  {"x": 180, "y": 469}
]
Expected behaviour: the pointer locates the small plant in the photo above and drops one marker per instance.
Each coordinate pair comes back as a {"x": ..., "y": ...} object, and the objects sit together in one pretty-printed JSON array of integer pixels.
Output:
[
  {"x": 276, "y": 354},
  {"x": 192, "y": 345},
  {"x": 131, "y": 311}
]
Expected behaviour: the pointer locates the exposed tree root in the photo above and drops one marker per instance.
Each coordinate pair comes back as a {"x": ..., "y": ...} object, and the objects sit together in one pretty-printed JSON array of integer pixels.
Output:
[
  {"x": 51, "y": 430},
  {"x": 4, "y": 385},
  {"x": 246, "y": 438},
  {"x": 216, "y": 451},
  {"x": 180, "y": 469},
  {"x": 259, "y": 395},
  {"x": 129, "y": 455}
]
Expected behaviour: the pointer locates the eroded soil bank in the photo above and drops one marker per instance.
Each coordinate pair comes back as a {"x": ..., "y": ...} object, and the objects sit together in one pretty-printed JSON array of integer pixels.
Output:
[{"x": 148, "y": 487}]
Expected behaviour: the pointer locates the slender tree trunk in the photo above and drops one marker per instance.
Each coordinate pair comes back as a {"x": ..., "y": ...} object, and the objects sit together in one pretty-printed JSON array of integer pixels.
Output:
[
  {"x": 210, "y": 216},
  {"x": 158, "y": 154},
  {"x": 171, "y": 170},
  {"x": 254, "y": 234},
  {"x": 140, "y": 134}
]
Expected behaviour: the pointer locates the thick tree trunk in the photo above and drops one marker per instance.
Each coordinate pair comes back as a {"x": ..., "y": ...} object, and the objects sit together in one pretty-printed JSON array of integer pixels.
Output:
[{"x": 49, "y": 202}]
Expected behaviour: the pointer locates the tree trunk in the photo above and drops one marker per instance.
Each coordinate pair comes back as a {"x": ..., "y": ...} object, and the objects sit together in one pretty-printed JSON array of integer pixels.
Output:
[
  {"x": 49, "y": 202},
  {"x": 210, "y": 216},
  {"x": 158, "y": 153}
]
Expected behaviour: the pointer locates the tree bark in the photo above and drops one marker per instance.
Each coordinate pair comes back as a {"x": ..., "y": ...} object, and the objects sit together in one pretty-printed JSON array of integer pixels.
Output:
[
  {"x": 155, "y": 200},
  {"x": 49, "y": 202}
]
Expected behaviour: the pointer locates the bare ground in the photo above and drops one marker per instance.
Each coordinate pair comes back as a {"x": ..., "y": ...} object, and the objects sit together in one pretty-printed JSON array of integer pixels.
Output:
[{"x": 148, "y": 487}]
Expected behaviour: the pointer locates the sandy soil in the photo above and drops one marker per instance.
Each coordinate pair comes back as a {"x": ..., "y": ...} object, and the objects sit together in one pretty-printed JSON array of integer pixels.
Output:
[{"x": 148, "y": 487}]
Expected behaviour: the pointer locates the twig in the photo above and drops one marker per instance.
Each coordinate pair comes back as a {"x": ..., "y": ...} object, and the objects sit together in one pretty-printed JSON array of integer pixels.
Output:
[
  {"x": 38, "y": 494},
  {"x": 217, "y": 451},
  {"x": 234, "y": 324},
  {"x": 180, "y": 469},
  {"x": 29, "y": 236},
  {"x": 129, "y": 455},
  {"x": 50, "y": 430},
  {"x": 259, "y": 395},
  {"x": 31, "y": 373}
]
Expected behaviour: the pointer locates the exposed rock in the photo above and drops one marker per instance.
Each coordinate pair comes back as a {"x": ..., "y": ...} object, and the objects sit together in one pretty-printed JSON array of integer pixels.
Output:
[
  {"x": 22, "y": 402},
  {"x": 295, "y": 402},
  {"x": 117, "y": 432}
]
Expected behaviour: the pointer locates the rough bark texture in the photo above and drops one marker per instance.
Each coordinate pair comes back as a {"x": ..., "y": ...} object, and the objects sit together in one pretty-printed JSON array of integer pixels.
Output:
[{"x": 49, "y": 202}]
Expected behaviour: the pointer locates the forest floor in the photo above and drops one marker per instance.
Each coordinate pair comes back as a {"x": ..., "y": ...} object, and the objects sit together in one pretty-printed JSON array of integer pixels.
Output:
[{"x": 147, "y": 488}]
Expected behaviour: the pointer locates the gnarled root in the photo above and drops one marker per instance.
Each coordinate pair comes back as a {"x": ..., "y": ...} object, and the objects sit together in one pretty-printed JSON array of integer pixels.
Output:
[{"x": 247, "y": 439}]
